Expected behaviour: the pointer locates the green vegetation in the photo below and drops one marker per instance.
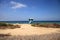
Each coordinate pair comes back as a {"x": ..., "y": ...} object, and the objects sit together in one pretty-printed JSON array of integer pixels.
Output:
[
  {"x": 8, "y": 26},
  {"x": 3, "y": 24},
  {"x": 54, "y": 25}
]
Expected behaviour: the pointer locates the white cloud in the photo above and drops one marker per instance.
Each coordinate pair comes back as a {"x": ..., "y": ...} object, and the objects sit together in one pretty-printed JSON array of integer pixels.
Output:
[{"x": 16, "y": 5}]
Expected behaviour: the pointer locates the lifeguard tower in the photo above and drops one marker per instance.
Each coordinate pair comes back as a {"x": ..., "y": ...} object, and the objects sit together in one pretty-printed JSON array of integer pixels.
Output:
[{"x": 30, "y": 20}]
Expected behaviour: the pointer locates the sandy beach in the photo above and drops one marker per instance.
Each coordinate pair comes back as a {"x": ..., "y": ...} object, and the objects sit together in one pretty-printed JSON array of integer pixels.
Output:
[
  {"x": 27, "y": 32},
  {"x": 27, "y": 29}
]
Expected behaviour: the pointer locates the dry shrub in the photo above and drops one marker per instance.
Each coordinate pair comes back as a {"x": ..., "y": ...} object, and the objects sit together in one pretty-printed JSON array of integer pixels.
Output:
[
  {"x": 8, "y": 26},
  {"x": 54, "y": 25},
  {"x": 2, "y": 35}
]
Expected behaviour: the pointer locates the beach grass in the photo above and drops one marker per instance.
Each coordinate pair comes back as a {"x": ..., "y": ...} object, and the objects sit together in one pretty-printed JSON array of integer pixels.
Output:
[
  {"x": 52, "y": 36},
  {"x": 8, "y": 26},
  {"x": 54, "y": 25}
]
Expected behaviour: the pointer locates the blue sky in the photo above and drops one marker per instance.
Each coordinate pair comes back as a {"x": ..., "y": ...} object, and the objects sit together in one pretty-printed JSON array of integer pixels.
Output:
[{"x": 17, "y": 10}]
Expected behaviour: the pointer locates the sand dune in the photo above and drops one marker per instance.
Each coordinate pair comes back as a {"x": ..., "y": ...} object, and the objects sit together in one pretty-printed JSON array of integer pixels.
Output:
[
  {"x": 27, "y": 29},
  {"x": 27, "y": 32}
]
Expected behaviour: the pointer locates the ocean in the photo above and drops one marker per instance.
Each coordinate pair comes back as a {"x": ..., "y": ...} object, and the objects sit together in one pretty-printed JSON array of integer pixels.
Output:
[{"x": 27, "y": 22}]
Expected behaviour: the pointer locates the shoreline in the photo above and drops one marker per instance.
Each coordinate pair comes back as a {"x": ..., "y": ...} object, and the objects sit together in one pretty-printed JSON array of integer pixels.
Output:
[{"x": 27, "y": 22}]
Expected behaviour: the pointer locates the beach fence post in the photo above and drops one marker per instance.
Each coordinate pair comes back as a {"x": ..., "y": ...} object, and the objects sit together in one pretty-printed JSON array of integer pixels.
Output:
[{"x": 30, "y": 20}]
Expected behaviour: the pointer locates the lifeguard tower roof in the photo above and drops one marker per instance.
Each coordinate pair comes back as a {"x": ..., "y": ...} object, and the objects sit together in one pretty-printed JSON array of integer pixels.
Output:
[{"x": 30, "y": 18}]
